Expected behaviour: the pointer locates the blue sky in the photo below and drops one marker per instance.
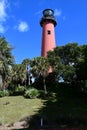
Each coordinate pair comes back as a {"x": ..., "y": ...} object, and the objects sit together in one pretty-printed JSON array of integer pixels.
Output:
[{"x": 19, "y": 24}]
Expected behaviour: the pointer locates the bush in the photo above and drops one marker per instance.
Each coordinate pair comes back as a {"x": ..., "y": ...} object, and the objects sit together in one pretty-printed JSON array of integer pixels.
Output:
[
  {"x": 31, "y": 93},
  {"x": 11, "y": 89},
  {"x": 41, "y": 93},
  {"x": 20, "y": 89},
  {"x": 16, "y": 90},
  {"x": 4, "y": 93}
]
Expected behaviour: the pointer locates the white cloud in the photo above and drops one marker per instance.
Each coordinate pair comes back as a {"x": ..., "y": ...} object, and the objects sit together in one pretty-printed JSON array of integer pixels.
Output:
[
  {"x": 3, "y": 15},
  {"x": 23, "y": 26},
  {"x": 3, "y": 7},
  {"x": 57, "y": 12}
]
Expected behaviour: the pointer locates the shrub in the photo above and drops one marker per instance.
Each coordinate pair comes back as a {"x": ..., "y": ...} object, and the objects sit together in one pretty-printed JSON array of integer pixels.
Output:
[
  {"x": 4, "y": 93},
  {"x": 11, "y": 89},
  {"x": 31, "y": 93},
  {"x": 16, "y": 90},
  {"x": 41, "y": 93},
  {"x": 20, "y": 89}
]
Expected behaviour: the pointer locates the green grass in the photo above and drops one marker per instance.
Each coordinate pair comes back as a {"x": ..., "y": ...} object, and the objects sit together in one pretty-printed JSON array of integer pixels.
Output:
[
  {"x": 64, "y": 108},
  {"x": 67, "y": 108},
  {"x": 15, "y": 108}
]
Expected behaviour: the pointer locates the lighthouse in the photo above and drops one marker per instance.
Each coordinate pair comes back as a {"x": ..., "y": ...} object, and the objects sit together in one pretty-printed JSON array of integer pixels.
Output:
[{"x": 48, "y": 22}]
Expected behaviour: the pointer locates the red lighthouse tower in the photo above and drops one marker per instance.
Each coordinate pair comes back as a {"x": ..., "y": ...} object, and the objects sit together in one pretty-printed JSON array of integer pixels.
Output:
[{"x": 48, "y": 23}]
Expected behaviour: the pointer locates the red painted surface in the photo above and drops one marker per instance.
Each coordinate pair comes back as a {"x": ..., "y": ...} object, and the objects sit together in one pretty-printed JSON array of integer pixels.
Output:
[{"x": 48, "y": 40}]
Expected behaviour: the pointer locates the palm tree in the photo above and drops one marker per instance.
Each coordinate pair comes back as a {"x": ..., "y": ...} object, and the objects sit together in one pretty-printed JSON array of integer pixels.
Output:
[
  {"x": 26, "y": 63},
  {"x": 40, "y": 66},
  {"x": 6, "y": 62},
  {"x": 19, "y": 74}
]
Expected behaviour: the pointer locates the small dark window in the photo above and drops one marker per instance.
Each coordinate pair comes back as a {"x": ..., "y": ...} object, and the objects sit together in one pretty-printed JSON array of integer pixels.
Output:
[{"x": 49, "y": 32}]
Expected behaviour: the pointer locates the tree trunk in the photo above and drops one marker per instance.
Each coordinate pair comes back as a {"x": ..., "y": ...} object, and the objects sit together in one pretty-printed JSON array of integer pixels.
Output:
[{"x": 45, "y": 89}]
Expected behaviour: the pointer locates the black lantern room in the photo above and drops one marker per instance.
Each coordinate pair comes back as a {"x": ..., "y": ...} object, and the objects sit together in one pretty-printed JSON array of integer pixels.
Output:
[{"x": 48, "y": 16}]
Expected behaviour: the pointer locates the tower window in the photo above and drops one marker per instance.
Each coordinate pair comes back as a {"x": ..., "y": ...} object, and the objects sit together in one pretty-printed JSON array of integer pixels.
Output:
[{"x": 49, "y": 32}]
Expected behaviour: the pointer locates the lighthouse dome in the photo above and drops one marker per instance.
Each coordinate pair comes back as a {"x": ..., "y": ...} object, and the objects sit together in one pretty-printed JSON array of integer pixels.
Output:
[{"x": 48, "y": 12}]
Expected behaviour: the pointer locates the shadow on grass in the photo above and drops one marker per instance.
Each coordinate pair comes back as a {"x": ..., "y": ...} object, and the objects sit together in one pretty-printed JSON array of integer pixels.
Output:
[{"x": 63, "y": 109}]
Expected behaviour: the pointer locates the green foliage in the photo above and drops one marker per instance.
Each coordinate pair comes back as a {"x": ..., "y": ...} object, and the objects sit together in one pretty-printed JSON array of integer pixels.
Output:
[
  {"x": 41, "y": 93},
  {"x": 16, "y": 90},
  {"x": 19, "y": 74},
  {"x": 67, "y": 61},
  {"x": 20, "y": 89},
  {"x": 82, "y": 64},
  {"x": 11, "y": 89},
  {"x": 31, "y": 93},
  {"x": 39, "y": 66},
  {"x": 6, "y": 62},
  {"x": 26, "y": 63},
  {"x": 4, "y": 93}
]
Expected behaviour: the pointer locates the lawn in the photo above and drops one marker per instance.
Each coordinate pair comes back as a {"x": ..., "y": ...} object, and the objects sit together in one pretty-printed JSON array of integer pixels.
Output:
[
  {"x": 67, "y": 109},
  {"x": 62, "y": 109},
  {"x": 15, "y": 108}
]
